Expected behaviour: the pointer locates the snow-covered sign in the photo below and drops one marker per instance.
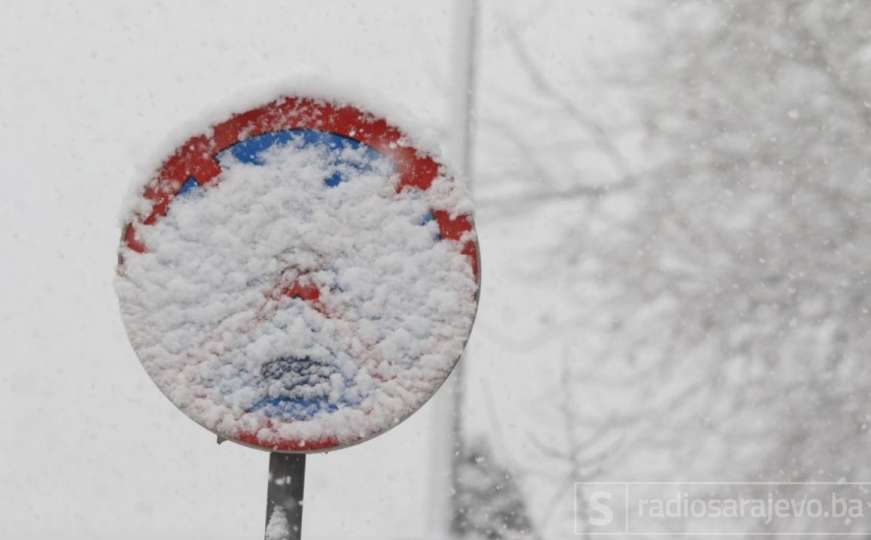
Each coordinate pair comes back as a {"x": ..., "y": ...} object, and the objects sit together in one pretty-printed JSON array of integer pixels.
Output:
[{"x": 299, "y": 277}]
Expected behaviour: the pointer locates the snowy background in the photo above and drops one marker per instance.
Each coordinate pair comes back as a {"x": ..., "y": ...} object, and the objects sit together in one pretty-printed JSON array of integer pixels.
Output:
[{"x": 673, "y": 208}]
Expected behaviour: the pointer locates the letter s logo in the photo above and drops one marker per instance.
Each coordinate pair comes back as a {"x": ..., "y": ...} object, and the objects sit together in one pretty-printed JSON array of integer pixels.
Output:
[{"x": 601, "y": 513}]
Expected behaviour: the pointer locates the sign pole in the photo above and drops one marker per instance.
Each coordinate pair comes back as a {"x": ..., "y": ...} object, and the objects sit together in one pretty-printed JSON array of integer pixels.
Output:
[{"x": 284, "y": 496}]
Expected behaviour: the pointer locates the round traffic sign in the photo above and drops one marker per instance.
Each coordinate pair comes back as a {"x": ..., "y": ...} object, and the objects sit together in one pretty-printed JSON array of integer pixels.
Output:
[{"x": 300, "y": 277}]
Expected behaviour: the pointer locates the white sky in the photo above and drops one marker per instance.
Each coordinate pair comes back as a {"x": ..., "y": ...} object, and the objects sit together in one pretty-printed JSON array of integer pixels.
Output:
[{"x": 89, "y": 448}]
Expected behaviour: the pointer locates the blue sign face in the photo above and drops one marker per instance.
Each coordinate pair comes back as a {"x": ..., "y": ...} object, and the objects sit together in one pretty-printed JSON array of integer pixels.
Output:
[
  {"x": 300, "y": 374},
  {"x": 250, "y": 150}
]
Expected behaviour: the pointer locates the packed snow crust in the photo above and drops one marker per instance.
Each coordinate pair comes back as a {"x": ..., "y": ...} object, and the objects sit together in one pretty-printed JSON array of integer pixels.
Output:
[
  {"x": 277, "y": 528},
  {"x": 300, "y": 296}
]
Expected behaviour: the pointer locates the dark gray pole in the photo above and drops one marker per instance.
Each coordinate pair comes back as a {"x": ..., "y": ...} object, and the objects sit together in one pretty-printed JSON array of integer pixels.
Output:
[{"x": 284, "y": 496}]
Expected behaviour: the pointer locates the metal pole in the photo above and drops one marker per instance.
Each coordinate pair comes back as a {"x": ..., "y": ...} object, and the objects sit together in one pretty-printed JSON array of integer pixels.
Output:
[
  {"x": 468, "y": 16},
  {"x": 468, "y": 82},
  {"x": 284, "y": 496}
]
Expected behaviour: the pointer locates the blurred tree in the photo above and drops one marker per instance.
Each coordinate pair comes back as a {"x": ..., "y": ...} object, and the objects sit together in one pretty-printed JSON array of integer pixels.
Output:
[
  {"x": 490, "y": 505},
  {"x": 719, "y": 258}
]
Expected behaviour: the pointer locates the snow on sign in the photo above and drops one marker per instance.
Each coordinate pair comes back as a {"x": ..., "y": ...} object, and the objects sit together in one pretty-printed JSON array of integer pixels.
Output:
[{"x": 300, "y": 277}]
